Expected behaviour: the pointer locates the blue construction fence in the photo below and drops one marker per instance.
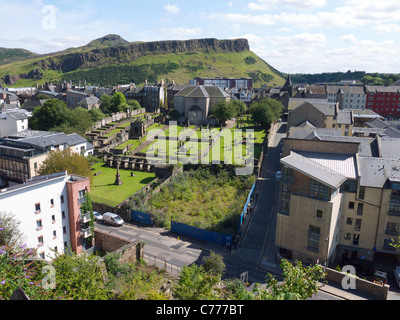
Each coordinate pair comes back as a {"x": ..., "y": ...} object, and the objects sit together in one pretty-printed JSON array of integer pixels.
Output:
[
  {"x": 200, "y": 234},
  {"x": 244, "y": 212},
  {"x": 145, "y": 218}
]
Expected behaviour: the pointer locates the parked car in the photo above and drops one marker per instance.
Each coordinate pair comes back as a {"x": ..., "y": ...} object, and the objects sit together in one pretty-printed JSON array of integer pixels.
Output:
[
  {"x": 278, "y": 176},
  {"x": 113, "y": 219},
  {"x": 97, "y": 216},
  {"x": 380, "y": 277},
  {"x": 397, "y": 275}
]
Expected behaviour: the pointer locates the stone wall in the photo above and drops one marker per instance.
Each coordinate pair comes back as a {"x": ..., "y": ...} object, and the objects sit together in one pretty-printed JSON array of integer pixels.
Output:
[
  {"x": 368, "y": 287},
  {"x": 109, "y": 242}
]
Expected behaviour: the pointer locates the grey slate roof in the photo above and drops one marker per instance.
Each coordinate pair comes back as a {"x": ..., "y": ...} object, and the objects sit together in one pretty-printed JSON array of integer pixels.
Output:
[
  {"x": 202, "y": 92},
  {"x": 376, "y": 171},
  {"x": 55, "y": 140}
]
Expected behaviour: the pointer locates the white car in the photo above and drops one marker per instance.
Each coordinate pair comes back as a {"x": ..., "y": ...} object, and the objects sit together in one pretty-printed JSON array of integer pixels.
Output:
[{"x": 97, "y": 216}]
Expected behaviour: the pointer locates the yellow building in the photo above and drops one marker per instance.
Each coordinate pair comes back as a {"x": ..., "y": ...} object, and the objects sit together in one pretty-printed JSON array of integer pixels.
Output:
[{"x": 339, "y": 199}]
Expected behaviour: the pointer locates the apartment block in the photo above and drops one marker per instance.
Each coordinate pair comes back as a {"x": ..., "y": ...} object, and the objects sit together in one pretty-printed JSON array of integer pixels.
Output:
[
  {"x": 339, "y": 197},
  {"x": 48, "y": 209}
]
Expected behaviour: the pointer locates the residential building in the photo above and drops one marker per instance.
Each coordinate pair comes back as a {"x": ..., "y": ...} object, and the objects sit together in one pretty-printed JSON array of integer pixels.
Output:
[
  {"x": 384, "y": 101},
  {"x": 74, "y": 97},
  {"x": 224, "y": 83},
  {"x": 322, "y": 115},
  {"x": 339, "y": 196},
  {"x": 89, "y": 103},
  {"x": 348, "y": 96},
  {"x": 195, "y": 102},
  {"x": 150, "y": 97},
  {"x": 48, "y": 209},
  {"x": 22, "y": 154},
  {"x": 13, "y": 120}
]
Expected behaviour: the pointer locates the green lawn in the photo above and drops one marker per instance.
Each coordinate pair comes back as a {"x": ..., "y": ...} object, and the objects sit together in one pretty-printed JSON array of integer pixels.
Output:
[
  {"x": 133, "y": 144},
  {"x": 104, "y": 191}
]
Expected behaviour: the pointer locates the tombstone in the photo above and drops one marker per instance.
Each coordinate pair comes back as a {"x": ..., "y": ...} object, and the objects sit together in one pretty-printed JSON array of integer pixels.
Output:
[{"x": 118, "y": 181}]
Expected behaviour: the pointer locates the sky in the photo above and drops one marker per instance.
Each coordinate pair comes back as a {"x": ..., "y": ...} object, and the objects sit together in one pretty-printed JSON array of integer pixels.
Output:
[{"x": 294, "y": 36}]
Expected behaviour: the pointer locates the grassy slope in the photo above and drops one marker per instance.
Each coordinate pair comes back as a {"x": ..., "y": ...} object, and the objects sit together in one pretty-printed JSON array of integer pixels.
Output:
[{"x": 191, "y": 65}]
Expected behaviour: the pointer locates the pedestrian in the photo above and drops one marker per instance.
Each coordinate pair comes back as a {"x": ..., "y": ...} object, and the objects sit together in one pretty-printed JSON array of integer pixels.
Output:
[
  {"x": 228, "y": 245},
  {"x": 234, "y": 243}
]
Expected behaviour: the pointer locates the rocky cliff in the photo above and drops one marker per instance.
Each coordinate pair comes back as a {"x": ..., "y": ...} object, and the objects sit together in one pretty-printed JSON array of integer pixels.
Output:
[{"x": 125, "y": 53}]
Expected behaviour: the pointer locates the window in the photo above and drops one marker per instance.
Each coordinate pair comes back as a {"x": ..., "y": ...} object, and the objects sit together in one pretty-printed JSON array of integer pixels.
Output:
[
  {"x": 64, "y": 230},
  {"x": 349, "y": 221},
  {"x": 356, "y": 239},
  {"x": 54, "y": 234},
  {"x": 63, "y": 214},
  {"x": 40, "y": 241},
  {"x": 53, "y": 218},
  {"x": 319, "y": 213},
  {"x": 347, "y": 236},
  {"x": 394, "y": 204},
  {"x": 285, "y": 199},
  {"x": 314, "y": 235},
  {"x": 349, "y": 186},
  {"x": 351, "y": 205},
  {"x": 52, "y": 202},
  {"x": 319, "y": 191},
  {"x": 287, "y": 175},
  {"x": 39, "y": 225},
  {"x": 360, "y": 209},
  {"x": 361, "y": 193},
  {"x": 37, "y": 207},
  {"x": 358, "y": 225},
  {"x": 392, "y": 228}
]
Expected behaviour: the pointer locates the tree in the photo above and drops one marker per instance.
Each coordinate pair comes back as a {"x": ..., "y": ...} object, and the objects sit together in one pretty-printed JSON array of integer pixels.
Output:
[
  {"x": 118, "y": 102},
  {"x": 214, "y": 264},
  {"x": 134, "y": 104},
  {"x": 81, "y": 276},
  {"x": 195, "y": 284},
  {"x": 66, "y": 160},
  {"x": 105, "y": 105},
  {"x": 223, "y": 111},
  {"x": 9, "y": 229},
  {"x": 300, "y": 282},
  {"x": 266, "y": 111},
  {"x": 53, "y": 113},
  {"x": 96, "y": 114}
]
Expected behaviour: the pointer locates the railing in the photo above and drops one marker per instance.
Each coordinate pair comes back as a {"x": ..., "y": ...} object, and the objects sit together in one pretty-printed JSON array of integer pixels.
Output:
[
  {"x": 161, "y": 263},
  {"x": 85, "y": 217},
  {"x": 86, "y": 233}
]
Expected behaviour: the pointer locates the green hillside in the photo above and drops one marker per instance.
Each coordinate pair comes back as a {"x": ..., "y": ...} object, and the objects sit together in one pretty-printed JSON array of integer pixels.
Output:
[
  {"x": 181, "y": 68},
  {"x": 11, "y": 55},
  {"x": 111, "y": 60}
]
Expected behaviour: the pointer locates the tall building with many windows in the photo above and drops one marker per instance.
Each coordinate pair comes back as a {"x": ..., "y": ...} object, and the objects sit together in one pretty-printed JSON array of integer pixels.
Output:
[
  {"x": 339, "y": 198},
  {"x": 48, "y": 209}
]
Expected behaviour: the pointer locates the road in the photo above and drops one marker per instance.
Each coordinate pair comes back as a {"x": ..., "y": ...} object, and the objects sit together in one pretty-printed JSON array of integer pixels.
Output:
[{"x": 256, "y": 252}]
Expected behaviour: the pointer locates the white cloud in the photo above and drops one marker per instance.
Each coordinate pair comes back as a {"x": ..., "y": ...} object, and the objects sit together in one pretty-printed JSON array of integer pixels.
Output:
[
  {"x": 386, "y": 28},
  {"x": 180, "y": 32},
  {"x": 348, "y": 38},
  {"x": 172, "y": 8},
  {"x": 271, "y": 4}
]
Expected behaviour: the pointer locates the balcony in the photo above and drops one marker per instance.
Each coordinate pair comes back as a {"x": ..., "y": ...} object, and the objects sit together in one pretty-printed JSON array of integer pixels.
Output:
[
  {"x": 86, "y": 233},
  {"x": 85, "y": 217}
]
